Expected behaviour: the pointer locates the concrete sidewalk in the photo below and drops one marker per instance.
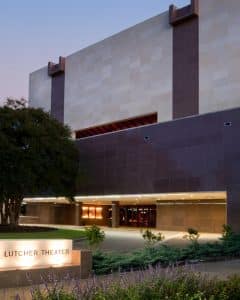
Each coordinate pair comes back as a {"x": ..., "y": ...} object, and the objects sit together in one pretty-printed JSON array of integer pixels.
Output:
[{"x": 220, "y": 269}]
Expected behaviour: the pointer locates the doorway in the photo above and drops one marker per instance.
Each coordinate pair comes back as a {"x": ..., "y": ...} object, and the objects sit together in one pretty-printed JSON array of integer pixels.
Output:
[{"x": 138, "y": 216}]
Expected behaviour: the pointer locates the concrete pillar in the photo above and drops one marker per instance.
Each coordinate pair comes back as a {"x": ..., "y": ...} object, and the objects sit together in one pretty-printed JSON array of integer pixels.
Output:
[
  {"x": 158, "y": 216},
  {"x": 83, "y": 258},
  {"x": 78, "y": 213},
  {"x": 233, "y": 207},
  {"x": 115, "y": 214},
  {"x": 85, "y": 263}
]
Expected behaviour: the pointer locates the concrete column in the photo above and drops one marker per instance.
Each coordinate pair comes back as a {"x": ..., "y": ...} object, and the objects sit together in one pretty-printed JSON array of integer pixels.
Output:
[
  {"x": 158, "y": 216},
  {"x": 115, "y": 214},
  {"x": 78, "y": 213},
  {"x": 85, "y": 263},
  {"x": 233, "y": 207},
  {"x": 83, "y": 258}
]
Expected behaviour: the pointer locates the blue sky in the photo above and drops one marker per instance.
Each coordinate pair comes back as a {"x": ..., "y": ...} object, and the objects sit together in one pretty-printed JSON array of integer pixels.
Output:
[{"x": 33, "y": 32}]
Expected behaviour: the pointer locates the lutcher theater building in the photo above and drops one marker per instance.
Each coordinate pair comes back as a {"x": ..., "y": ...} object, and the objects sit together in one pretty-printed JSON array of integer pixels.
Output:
[{"x": 155, "y": 111}]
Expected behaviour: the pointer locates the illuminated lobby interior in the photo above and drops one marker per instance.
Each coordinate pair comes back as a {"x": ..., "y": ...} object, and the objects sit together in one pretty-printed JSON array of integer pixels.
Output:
[{"x": 177, "y": 211}]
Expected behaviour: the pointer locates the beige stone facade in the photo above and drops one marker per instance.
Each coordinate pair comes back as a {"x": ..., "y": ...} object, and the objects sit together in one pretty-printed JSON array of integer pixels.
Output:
[
  {"x": 40, "y": 89},
  {"x": 130, "y": 74},
  {"x": 126, "y": 75},
  {"x": 206, "y": 218},
  {"x": 219, "y": 51}
]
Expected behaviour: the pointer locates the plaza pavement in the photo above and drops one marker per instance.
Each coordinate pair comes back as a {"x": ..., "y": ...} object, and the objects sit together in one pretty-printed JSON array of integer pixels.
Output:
[
  {"x": 124, "y": 239},
  {"x": 128, "y": 239}
]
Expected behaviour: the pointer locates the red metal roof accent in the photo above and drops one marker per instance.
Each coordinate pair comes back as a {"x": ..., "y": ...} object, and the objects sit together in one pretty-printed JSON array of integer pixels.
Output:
[{"x": 116, "y": 126}]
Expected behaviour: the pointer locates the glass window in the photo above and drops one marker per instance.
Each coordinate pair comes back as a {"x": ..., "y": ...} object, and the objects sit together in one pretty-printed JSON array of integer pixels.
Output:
[{"x": 91, "y": 212}]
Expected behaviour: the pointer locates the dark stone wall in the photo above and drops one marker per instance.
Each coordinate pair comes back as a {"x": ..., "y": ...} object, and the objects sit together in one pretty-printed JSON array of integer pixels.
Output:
[
  {"x": 199, "y": 153},
  {"x": 203, "y": 217},
  {"x": 57, "y": 97},
  {"x": 186, "y": 68}
]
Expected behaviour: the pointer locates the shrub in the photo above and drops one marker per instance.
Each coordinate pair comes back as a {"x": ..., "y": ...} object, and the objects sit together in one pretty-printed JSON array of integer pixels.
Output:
[
  {"x": 150, "y": 238},
  {"x": 193, "y": 235},
  {"x": 227, "y": 232},
  {"x": 105, "y": 263},
  {"x": 167, "y": 255},
  {"x": 95, "y": 236}
]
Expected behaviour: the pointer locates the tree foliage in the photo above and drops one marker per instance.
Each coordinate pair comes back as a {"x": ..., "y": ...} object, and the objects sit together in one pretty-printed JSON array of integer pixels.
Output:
[
  {"x": 15, "y": 103},
  {"x": 37, "y": 156}
]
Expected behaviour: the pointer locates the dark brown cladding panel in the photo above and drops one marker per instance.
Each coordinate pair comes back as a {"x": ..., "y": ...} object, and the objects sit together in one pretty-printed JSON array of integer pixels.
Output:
[
  {"x": 177, "y": 16},
  {"x": 57, "y": 72},
  {"x": 185, "y": 24},
  {"x": 198, "y": 153},
  {"x": 233, "y": 207},
  {"x": 116, "y": 126},
  {"x": 56, "y": 69},
  {"x": 57, "y": 97}
]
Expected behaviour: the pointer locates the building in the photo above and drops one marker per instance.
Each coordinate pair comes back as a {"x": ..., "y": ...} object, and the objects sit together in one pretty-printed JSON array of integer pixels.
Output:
[{"x": 155, "y": 110}]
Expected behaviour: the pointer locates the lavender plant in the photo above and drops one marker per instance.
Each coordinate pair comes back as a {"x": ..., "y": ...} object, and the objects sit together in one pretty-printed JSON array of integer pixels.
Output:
[{"x": 154, "y": 283}]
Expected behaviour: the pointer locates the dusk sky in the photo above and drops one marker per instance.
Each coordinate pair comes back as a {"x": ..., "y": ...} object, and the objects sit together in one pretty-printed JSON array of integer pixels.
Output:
[{"x": 34, "y": 32}]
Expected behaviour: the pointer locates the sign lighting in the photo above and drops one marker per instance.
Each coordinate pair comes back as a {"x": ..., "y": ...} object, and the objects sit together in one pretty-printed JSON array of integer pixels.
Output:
[{"x": 25, "y": 254}]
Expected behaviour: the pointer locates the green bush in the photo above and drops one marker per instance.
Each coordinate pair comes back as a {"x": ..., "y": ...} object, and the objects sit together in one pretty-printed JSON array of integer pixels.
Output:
[
  {"x": 150, "y": 238},
  {"x": 95, "y": 236},
  {"x": 227, "y": 232},
  {"x": 192, "y": 235},
  {"x": 105, "y": 263},
  {"x": 227, "y": 246}
]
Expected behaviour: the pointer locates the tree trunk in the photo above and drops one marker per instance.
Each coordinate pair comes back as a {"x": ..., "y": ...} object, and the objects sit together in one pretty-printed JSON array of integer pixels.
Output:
[
  {"x": 3, "y": 220},
  {"x": 10, "y": 211}
]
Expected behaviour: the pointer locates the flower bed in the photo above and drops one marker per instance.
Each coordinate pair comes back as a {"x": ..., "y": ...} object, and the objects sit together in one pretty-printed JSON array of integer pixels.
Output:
[{"x": 153, "y": 283}]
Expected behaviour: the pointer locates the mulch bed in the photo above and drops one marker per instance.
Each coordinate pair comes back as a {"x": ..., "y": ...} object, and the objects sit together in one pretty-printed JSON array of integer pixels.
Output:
[{"x": 7, "y": 228}]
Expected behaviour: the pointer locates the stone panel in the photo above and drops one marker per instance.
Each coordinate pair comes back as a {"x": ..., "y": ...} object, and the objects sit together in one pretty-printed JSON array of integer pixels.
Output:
[
  {"x": 186, "y": 68},
  {"x": 219, "y": 49},
  {"x": 40, "y": 86},
  {"x": 126, "y": 75},
  {"x": 186, "y": 155},
  {"x": 233, "y": 207},
  {"x": 48, "y": 213},
  {"x": 204, "y": 217},
  {"x": 44, "y": 212},
  {"x": 57, "y": 97}
]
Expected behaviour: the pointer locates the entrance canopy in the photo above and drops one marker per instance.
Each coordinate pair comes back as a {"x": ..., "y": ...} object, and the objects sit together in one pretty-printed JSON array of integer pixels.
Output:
[{"x": 136, "y": 199}]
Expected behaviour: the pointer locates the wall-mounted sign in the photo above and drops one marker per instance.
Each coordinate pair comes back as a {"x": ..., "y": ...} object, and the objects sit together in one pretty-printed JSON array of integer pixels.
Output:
[{"x": 20, "y": 254}]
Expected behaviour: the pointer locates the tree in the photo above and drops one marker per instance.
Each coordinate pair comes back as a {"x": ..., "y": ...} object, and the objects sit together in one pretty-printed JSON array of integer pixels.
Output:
[
  {"x": 37, "y": 157},
  {"x": 15, "y": 103}
]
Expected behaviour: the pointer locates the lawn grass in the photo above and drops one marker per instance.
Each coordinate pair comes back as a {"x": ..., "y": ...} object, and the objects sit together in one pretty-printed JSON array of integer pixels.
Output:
[{"x": 54, "y": 234}]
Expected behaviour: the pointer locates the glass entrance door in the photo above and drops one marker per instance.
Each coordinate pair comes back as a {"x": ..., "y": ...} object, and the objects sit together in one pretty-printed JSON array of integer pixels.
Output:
[{"x": 138, "y": 216}]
